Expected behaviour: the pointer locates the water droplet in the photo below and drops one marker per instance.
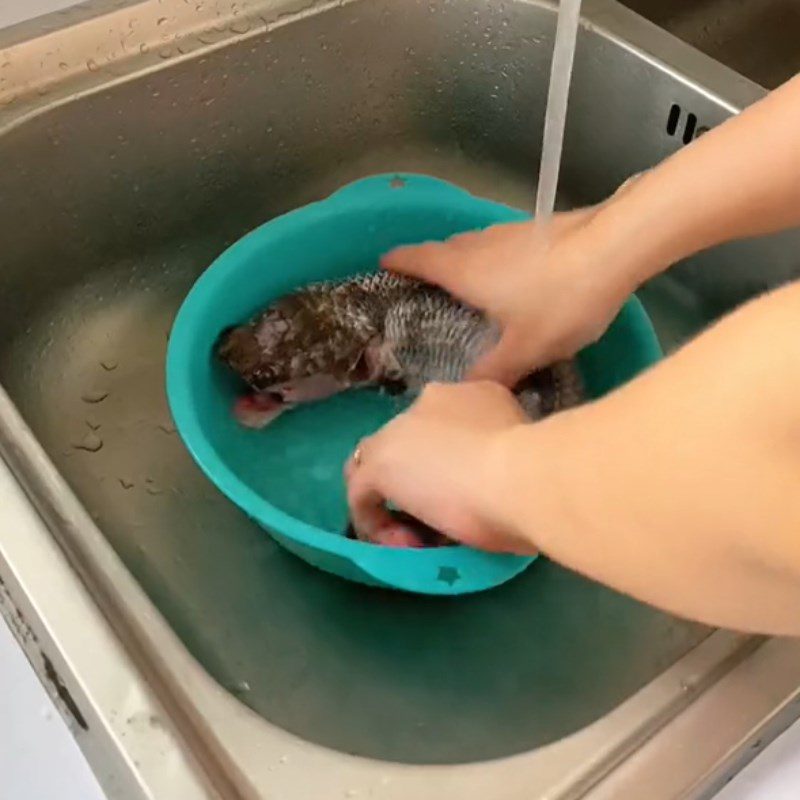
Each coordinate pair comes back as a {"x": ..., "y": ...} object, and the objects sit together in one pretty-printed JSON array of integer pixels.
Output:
[
  {"x": 166, "y": 52},
  {"x": 91, "y": 443},
  {"x": 242, "y": 687},
  {"x": 161, "y": 20},
  {"x": 109, "y": 365},
  {"x": 62, "y": 65},
  {"x": 167, "y": 428},
  {"x": 125, "y": 484},
  {"x": 241, "y": 26},
  {"x": 94, "y": 396},
  {"x": 92, "y": 425},
  {"x": 284, "y": 759},
  {"x": 144, "y": 47},
  {"x": 92, "y": 65}
]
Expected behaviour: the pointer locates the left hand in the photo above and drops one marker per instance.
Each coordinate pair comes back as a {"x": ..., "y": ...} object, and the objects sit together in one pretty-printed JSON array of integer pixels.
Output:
[{"x": 437, "y": 461}]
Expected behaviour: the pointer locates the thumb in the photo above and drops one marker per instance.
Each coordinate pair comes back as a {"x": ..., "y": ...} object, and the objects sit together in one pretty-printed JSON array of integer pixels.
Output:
[{"x": 506, "y": 363}]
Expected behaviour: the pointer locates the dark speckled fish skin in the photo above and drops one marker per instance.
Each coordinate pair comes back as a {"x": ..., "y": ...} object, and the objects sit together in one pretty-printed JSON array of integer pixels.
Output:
[{"x": 379, "y": 329}]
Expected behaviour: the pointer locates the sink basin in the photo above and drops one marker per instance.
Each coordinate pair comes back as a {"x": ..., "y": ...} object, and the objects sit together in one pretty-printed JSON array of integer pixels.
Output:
[{"x": 125, "y": 174}]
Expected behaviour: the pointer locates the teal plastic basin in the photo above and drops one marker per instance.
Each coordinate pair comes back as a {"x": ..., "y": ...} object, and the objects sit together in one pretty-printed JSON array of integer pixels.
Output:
[{"x": 288, "y": 476}]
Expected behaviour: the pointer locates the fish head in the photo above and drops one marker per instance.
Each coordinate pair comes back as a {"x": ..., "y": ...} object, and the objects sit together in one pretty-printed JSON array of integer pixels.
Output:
[{"x": 298, "y": 350}]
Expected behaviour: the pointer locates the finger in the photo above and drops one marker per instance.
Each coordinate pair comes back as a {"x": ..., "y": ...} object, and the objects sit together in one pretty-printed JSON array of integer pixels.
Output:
[
  {"x": 467, "y": 241},
  {"x": 430, "y": 266},
  {"x": 368, "y": 511},
  {"x": 465, "y": 528},
  {"x": 418, "y": 261},
  {"x": 398, "y": 534},
  {"x": 434, "y": 397},
  {"x": 504, "y": 543},
  {"x": 506, "y": 363},
  {"x": 438, "y": 263}
]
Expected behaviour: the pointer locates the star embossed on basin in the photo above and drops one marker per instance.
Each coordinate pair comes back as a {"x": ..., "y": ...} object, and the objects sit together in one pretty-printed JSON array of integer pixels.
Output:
[{"x": 448, "y": 575}]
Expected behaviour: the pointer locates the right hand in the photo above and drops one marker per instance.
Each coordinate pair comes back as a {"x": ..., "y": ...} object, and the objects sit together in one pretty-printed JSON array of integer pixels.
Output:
[{"x": 552, "y": 289}]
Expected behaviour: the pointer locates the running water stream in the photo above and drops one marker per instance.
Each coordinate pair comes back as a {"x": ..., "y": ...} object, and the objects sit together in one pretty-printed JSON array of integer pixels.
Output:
[{"x": 560, "y": 74}]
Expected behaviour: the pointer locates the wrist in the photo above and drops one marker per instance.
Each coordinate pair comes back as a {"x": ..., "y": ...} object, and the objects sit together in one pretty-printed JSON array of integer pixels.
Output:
[
  {"x": 526, "y": 488},
  {"x": 638, "y": 232}
]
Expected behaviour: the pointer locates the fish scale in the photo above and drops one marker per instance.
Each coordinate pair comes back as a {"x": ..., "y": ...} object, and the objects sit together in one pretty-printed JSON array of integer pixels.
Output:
[{"x": 434, "y": 342}]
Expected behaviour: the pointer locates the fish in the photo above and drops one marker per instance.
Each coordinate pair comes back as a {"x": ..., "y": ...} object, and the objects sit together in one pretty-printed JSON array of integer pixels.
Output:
[
  {"x": 374, "y": 330},
  {"x": 378, "y": 329},
  {"x": 402, "y": 529}
]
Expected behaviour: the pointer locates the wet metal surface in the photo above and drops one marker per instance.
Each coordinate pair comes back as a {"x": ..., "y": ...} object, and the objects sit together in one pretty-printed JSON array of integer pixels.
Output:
[
  {"x": 115, "y": 200},
  {"x": 758, "y": 39}
]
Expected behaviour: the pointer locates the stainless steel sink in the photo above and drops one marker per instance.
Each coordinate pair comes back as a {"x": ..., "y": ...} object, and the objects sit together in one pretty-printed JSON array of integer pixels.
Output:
[
  {"x": 757, "y": 39},
  {"x": 137, "y": 143}
]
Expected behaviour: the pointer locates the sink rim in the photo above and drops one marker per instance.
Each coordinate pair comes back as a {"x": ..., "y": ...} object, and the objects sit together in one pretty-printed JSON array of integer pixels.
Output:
[{"x": 182, "y": 684}]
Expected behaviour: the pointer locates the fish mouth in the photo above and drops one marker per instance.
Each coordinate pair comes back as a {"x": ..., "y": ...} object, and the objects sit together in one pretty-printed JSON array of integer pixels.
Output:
[
  {"x": 259, "y": 406},
  {"x": 258, "y": 409}
]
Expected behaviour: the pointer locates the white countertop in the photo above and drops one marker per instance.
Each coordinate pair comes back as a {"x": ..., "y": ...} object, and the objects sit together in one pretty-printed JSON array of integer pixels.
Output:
[
  {"x": 774, "y": 775},
  {"x": 40, "y": 761}
]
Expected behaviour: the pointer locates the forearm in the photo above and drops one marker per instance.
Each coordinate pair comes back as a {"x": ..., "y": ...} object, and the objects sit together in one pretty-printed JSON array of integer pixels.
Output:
[
  {"x": 741, "y": 179},
  {"x": 682, "y": 489}
]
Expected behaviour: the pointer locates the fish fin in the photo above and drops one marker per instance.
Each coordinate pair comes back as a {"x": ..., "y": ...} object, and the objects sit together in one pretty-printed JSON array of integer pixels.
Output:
[{"x": 367, "y": 368}]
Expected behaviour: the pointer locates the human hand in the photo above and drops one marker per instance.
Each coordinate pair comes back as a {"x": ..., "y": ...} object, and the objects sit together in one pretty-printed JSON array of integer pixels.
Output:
[
  {"x": 552, "y": 289},
  {"x": 439, "y": 462}
]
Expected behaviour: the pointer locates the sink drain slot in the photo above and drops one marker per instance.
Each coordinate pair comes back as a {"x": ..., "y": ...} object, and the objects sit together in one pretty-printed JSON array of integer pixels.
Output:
[{"x": 690, "y": 130}]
